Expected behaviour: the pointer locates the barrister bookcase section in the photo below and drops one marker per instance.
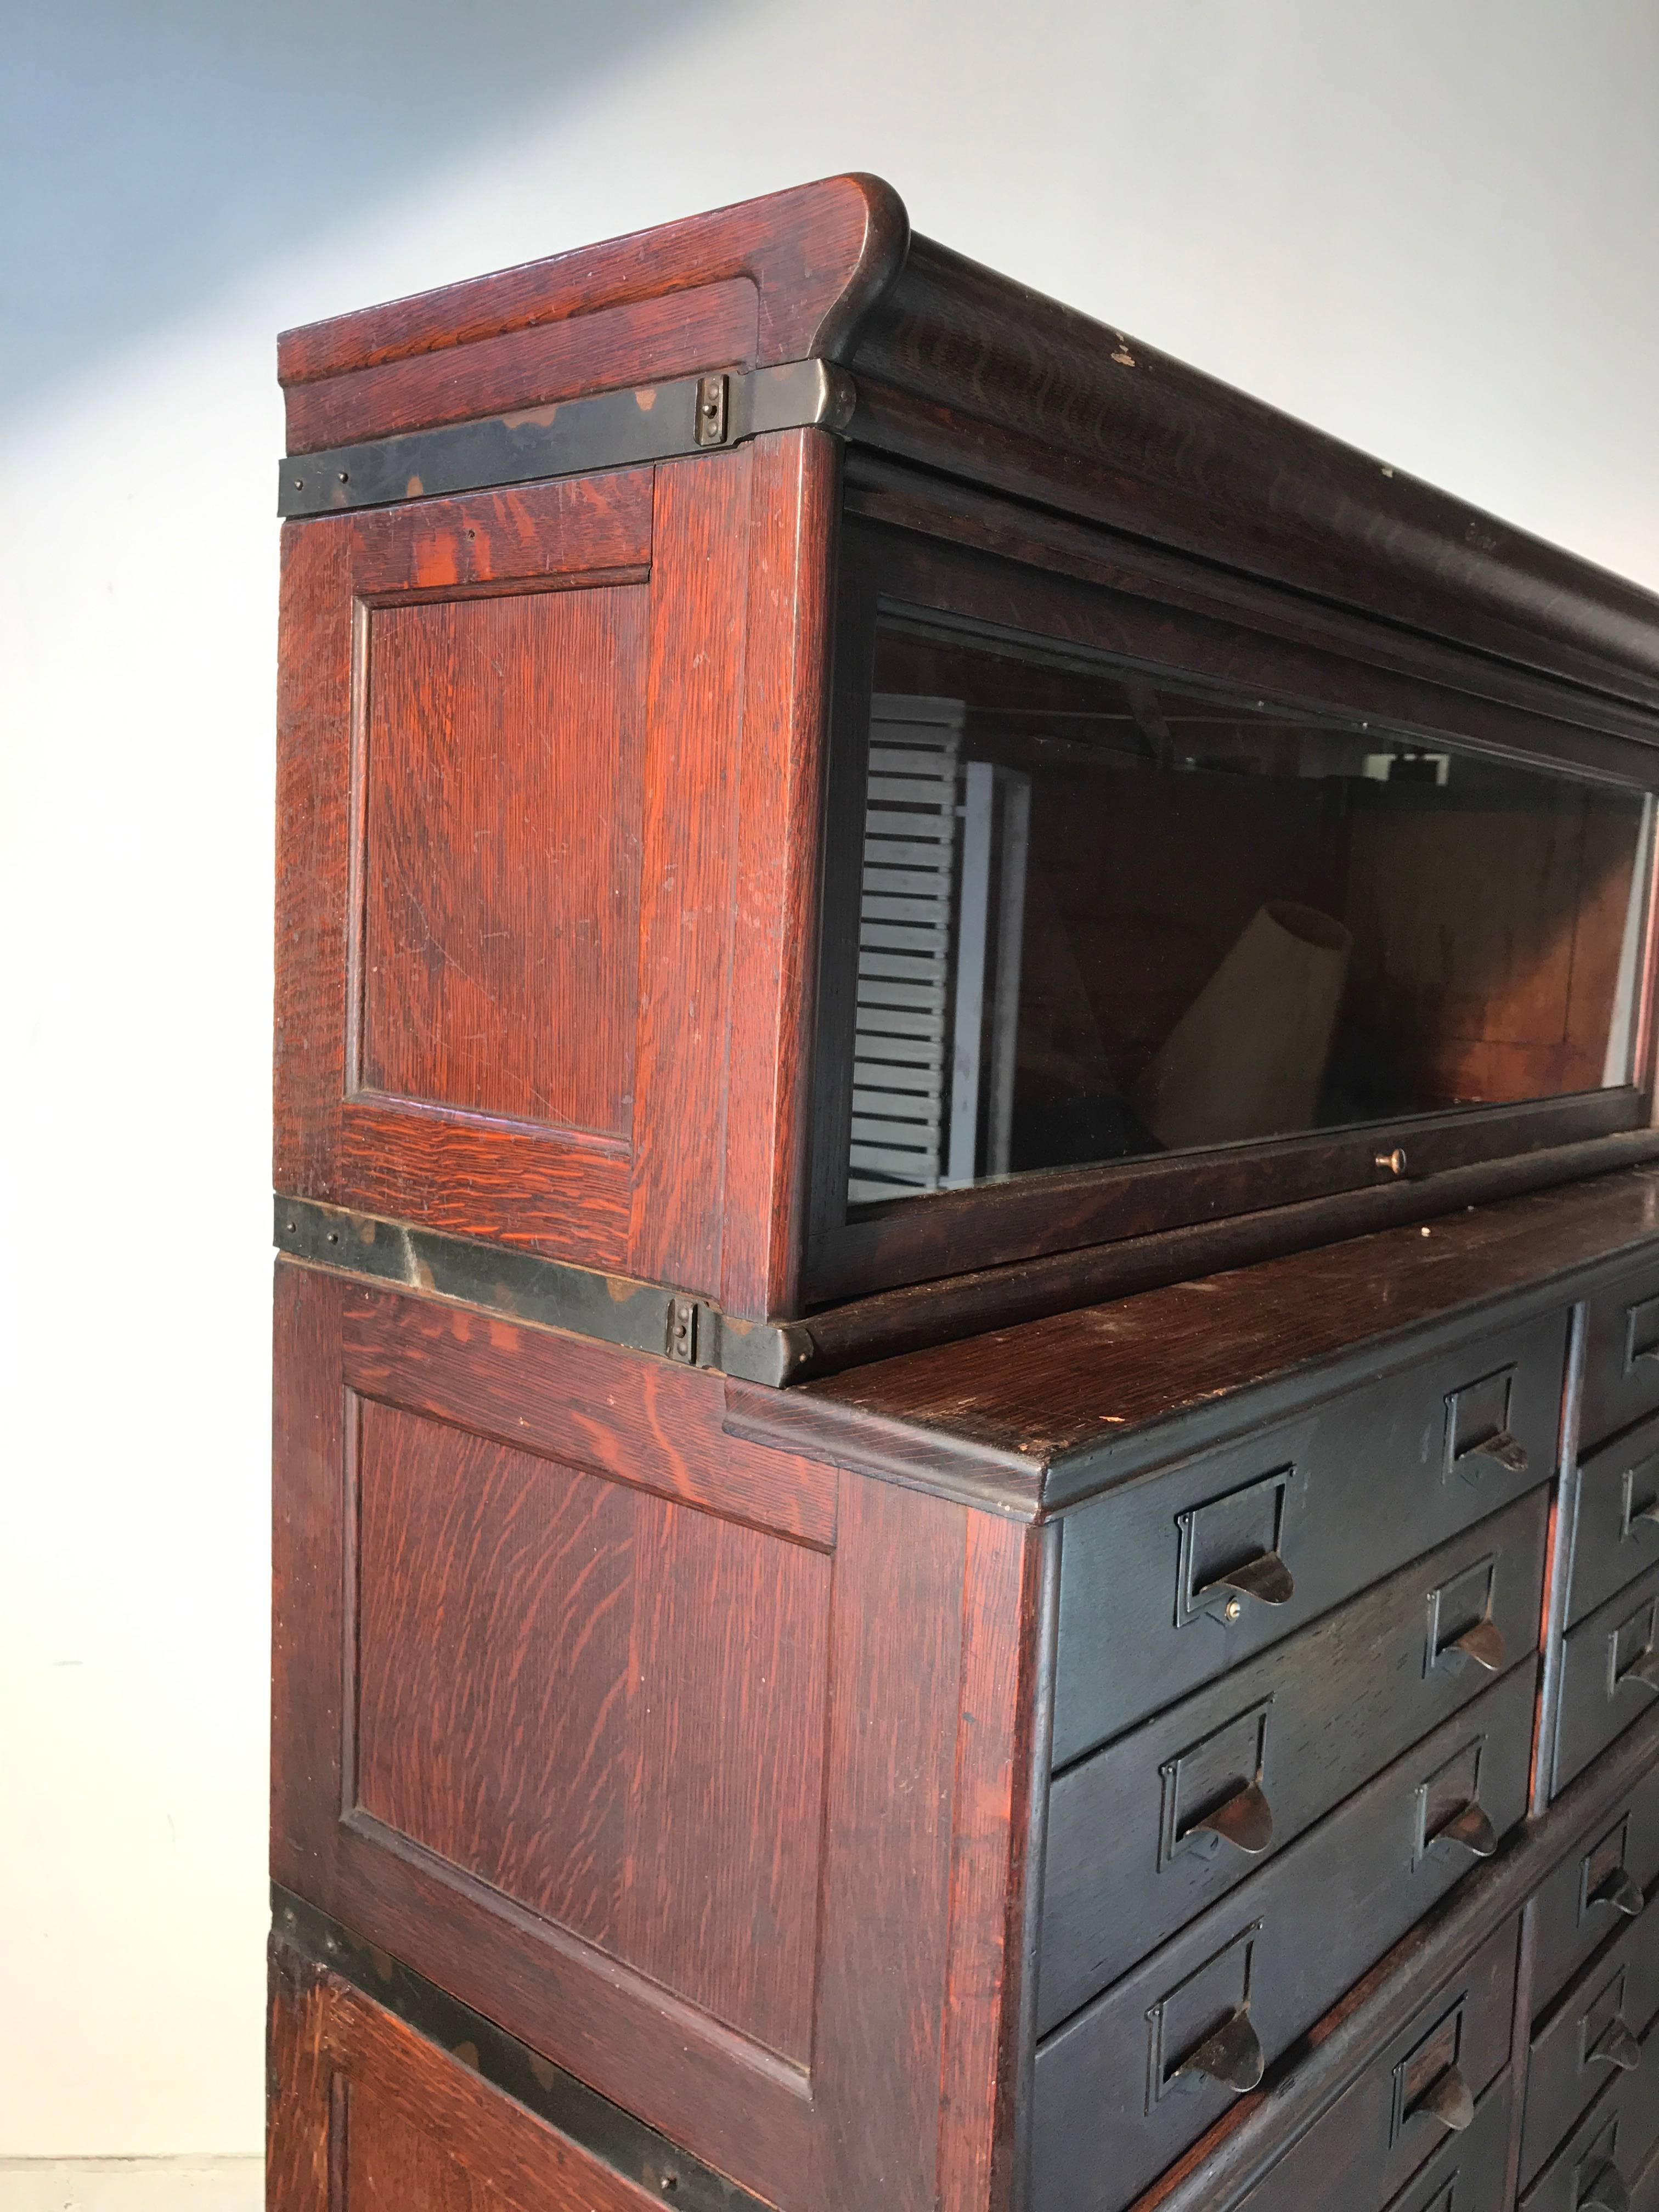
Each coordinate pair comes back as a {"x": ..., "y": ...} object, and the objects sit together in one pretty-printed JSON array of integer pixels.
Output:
[{"x": 967, "y": 1360}]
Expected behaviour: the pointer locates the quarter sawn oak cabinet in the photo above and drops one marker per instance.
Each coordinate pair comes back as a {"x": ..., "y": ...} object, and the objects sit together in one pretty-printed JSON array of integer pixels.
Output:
[{"x": 967, "y": 1453}]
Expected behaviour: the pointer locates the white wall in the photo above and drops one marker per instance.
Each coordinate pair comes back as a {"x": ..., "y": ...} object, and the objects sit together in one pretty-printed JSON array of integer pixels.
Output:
[{"x": 1427, "y": 224}]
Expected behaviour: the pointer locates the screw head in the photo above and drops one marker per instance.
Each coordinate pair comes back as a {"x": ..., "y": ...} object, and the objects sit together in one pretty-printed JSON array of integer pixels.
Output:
[{"x": 1233, "y": 1610}]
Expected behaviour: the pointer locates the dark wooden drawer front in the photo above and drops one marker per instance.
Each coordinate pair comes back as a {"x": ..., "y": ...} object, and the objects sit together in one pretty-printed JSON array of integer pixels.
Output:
[
  {"x": 1616, "y": 1536},
  {"x": 1127, "y": 2084},
  {"x": 1147, "y": 1833},
  {"x": 1597, "y": 1889},
  {"x": 1590, "y": 2035},
  {"x": 1429, "y": 2096},
  {"x": 1593, "y": 2169},
  {"x": 1609, "y": 1674},
  {"x": 1621, "y": 1355},
  {"x": 1467, "y": 2175},
  {"x": 1168, "y": 1582}
]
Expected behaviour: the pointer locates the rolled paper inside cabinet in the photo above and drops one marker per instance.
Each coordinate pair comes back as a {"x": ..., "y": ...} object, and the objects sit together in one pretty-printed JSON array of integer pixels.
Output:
[{"x": 1247, "y": 1057}]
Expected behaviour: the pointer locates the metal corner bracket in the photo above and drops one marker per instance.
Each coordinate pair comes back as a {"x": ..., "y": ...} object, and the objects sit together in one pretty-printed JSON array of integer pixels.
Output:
[
  {"x": 690, "y": 1332},
  {"x": 603, "y": 430}
]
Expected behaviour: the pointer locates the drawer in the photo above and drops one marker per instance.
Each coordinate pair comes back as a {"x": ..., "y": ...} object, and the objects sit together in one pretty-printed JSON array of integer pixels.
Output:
[
  {"x": 1621, "y": 1354},
  {"x": 1616, "y": 1535},
  {"x": 1593, "y": 2169},
  {"x": 1590, "y": 2035},
  {"x": 1469, "y": 2174},
  {"x": 1596, "y": 1888},
  {"x": 1609, "y": 1674},
  {"x": 1138, "y": 2075},
  {"x": 1429, "y": 2096},
  {"x": 1168, "y": 1582},
  {"x": 1645, "y": 2190},
  {"x": 1144, "y": 1834}
]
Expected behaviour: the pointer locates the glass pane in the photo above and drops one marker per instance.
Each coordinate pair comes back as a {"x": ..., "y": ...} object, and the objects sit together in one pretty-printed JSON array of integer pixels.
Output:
[{"x": 1104, "y": 916}]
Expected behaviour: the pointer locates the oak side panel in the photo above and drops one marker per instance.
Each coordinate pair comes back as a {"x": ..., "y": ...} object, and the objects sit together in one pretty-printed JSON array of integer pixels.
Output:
[
  {"x": 640, "y": 342},
  {"x": 895, "y": 1667},
  {"x": 468, "y": 1172},
  {"x": 724, "y": 2095},
  {"x": 694, "y": 727},
  {"x": 994, "y": 1778},
  {"x": 774, "y": 921},
  {"x": 612, "y": 1412},
  {"x": 297, "y": 2087},
  {"x": 311, "y": 1436},
  {"x": 500, "y": 853},
  {"x": 397, "y": 2123},
  {"x": 607, "y": 1707}
]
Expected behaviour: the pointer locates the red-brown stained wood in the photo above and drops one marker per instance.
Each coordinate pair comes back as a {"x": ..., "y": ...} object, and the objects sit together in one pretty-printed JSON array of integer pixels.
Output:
[
  {"x": 500, "y": 853},
  {"x": 1046, "y": 1388},
  {"x": 693, "y": 724},
  {"x": 816, "y": 256},
  {"x": 618, "y": 1413},
  {"x": 401, "y": 2125},
  {"x": 773, "y": 930},
  {"x": 895, "y": 1667},
  {"x": 606, "y": 1706},
  {"x": 994, "y": 1777},
  {"x": 640, "y": 342},
  {"x": 457, "y": 1170}
]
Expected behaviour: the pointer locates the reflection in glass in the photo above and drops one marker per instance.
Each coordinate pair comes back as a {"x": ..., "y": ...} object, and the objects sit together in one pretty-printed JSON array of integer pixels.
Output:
[{"x": 1104, "y": 918}]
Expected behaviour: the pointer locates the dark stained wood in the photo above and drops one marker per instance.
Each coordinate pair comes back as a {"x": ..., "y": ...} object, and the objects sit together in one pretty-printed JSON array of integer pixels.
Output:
[
  {"x": 620, "y": 1414},
  {"x": 965, "y": 370},
  {"x": 1077, "y": 1381},
  {"x": 995, "y": 1779},
  {"x": 457, "y": 1170},
  {"x": 779, "y": 793},
  {"x": 694, "y": 734},
  {"x": 1354, "y": 2157},
  {"x": 501, "y": 931},
  {"x": 891, "y": 1323},
  {"x": 1314, "y": 1920},
  {"x": 638, "y": 342},
  {"x": 1219, "y": 2170},
  {"x": 816, "y": 256},
  {"x": 1347, "y": 645},
  {"x": 728, "y": 1824},
  {"x": 399, "y": 2123},
  {"x": 545, "y": 1660},
  {"x": 897, "y": 1660},
  {"x": 1224, "y": 833}
]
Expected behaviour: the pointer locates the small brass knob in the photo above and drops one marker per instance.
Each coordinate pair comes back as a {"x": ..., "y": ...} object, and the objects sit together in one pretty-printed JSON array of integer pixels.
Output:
[{"x": 1395, "y": 1162}]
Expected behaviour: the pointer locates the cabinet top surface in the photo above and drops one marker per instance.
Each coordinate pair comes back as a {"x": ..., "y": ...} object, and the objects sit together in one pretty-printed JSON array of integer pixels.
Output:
[
  {"x": 957, "y": 367},
  {"x": 1081, "y": 1399}
]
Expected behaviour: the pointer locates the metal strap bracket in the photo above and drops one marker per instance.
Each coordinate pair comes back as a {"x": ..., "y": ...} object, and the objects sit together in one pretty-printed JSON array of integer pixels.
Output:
[
  {"x": 602, "y": 430},
  {"x": 546, "y": 1293}
]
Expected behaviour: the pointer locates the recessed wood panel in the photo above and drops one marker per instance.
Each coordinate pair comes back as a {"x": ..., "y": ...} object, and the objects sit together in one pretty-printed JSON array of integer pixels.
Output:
[
  {"x": 608, "y": 1707},
  {"x": 500, "y": 856}
]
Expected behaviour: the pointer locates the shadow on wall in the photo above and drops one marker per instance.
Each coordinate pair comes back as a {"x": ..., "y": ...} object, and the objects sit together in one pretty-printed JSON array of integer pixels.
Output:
[{"x": 205, "y": 135}]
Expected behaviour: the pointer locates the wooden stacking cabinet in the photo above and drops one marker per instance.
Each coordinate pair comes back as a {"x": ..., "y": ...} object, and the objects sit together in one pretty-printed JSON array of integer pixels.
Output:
[{"x": 967, "y": 1321}]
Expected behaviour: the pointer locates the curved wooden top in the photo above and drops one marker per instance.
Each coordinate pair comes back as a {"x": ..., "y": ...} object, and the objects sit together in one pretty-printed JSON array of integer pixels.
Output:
[{"x": 974, "y": 374}]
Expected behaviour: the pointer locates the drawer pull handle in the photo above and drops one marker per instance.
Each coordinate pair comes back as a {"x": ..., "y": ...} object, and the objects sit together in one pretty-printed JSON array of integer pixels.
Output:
[
  {"x": 1604, "y": 2191},
  {"x": 1266, "y": 1578},
  {"x": 1621, "y": 1891},
  {"x": 1644, "y": 1518},
  {"x": 1233, "y": 2055},
  {"x": 1506, "y": 1448},
  {"x": 1245, "y": 1821},
  {"x": 1449, "y": 2099},
  {"x": 1616, "y": 2047},
  {"x": 1468, "y": 1834},
  {"x": 1483, "y": 1644},
  {"x": 1643, "y": 1673}
]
